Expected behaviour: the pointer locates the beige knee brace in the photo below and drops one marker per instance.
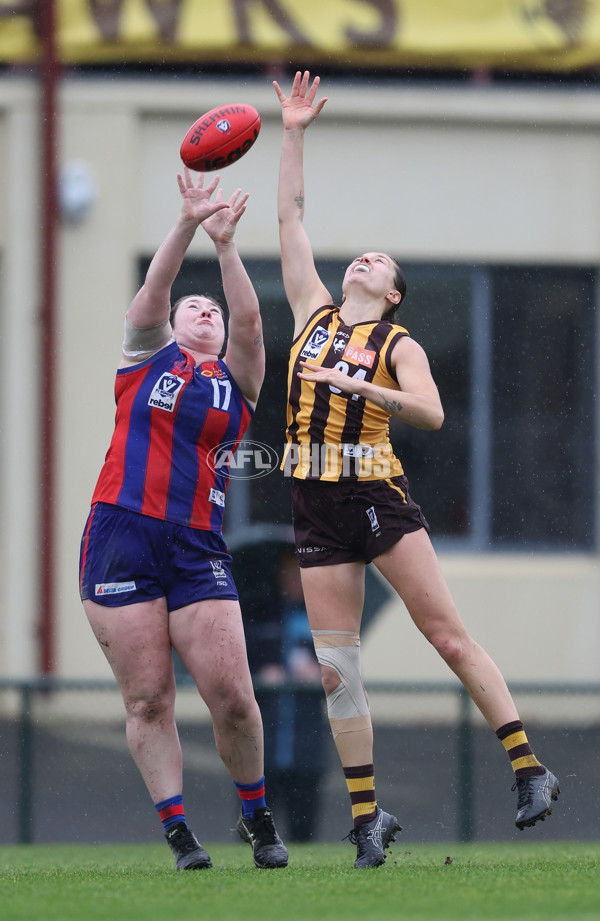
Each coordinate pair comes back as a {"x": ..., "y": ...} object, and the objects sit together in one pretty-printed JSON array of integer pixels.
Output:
[{"x": 347, "y": 705}]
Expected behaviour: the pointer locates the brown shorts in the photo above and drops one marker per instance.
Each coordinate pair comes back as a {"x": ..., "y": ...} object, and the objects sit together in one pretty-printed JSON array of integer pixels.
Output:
[{"x": 348, "y": 522}]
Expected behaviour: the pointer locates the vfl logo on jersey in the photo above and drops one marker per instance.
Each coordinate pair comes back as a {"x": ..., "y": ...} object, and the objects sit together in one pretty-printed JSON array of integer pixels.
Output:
[
  {"x": 364, "y": 357},
  {"x": 315, "y": 345},
  {"x": 165, "y": 391}
]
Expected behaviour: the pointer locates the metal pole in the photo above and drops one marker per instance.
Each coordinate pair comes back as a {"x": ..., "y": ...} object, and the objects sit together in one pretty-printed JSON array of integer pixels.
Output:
[
  {"x": 25, "y": 768},
  {"x": 465, "y": 769},
  {"x": 49, "y": 75},
  {"x": 481, "y": 408}
]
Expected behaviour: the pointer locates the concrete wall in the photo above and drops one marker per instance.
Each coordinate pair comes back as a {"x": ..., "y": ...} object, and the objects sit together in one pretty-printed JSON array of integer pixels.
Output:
[
  {"x": 19, "y": 369},
  {"x": 461, "y": 175}
]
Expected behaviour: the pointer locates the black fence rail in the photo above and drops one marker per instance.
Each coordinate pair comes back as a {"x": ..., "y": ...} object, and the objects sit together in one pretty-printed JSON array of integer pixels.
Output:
[{"x": 28, "y": 689}]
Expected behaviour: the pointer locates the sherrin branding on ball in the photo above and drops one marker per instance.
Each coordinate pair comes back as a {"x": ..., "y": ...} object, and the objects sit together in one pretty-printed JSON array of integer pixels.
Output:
[{"x": 220, "y": 137}]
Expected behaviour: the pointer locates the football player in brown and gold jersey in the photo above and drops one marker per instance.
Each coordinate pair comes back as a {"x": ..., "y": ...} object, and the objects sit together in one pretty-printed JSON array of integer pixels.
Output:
[{"x": 352, "y": 369}]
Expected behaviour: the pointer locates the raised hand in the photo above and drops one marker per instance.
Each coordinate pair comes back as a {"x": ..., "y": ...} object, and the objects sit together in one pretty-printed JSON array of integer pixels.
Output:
[
  {"x": 196, "y": 205},
  {"x": 221, "y": 225},
  {"x": 299, "y": 109}
]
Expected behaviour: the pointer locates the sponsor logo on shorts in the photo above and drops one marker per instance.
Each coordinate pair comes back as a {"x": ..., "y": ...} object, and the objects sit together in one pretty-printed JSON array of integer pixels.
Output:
[
  {"x": 359, "y": 356},
  {"x": 373, "y": 519},
  {"x": 315, "y": 345},
  {"x": 217, "y": 497},
  {"x": 114, "y": 588},
  {"x": 311, "y": 549},
  {"x": 165, "y": 392},
  {"x": 218, "y": 572}
]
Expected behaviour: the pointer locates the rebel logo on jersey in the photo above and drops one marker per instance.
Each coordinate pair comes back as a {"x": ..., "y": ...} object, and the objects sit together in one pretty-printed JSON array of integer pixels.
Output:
[
  {"x": 165, "y": 392},
  {"x": 317, "y": 342}
]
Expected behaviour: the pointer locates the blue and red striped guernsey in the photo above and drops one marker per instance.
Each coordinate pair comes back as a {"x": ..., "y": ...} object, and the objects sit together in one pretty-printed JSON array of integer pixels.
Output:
[{"x": 170, "y": 416}]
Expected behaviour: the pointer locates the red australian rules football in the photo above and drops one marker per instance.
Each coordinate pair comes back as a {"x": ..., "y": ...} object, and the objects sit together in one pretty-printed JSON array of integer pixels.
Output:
[{"x": 220, "y": 137}]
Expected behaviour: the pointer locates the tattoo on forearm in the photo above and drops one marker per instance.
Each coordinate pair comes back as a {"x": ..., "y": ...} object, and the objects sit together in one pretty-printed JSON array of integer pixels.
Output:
[
  {"x": 299, "y": 199},
  {"x": 390, "y": 406},
  {"x": 258, "y": 340}
]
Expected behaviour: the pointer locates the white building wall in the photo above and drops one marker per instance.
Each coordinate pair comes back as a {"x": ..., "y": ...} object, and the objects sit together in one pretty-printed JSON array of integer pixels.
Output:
[{"x": 19, "y": 377}]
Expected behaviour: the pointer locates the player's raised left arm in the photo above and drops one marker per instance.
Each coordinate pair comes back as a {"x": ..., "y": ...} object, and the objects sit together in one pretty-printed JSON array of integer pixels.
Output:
[
  {"x": 303, "y": 287},
  {"x": 245, "y": 354}
]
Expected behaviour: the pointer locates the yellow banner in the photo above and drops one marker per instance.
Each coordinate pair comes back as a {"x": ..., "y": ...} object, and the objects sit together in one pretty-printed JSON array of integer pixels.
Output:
[{"x": 497, "y": 34}]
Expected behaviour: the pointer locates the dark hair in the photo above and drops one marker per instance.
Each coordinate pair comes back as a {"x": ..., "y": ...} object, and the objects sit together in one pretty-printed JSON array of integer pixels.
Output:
[
  {"x": 399, "y": 285},
  {"x": 180, "y": 300}
]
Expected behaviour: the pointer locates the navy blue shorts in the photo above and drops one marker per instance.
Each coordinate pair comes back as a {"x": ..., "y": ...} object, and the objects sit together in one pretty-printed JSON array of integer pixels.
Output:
[
  {"x": 347, "y": 522},
  {"x": 127, "y": 558}
]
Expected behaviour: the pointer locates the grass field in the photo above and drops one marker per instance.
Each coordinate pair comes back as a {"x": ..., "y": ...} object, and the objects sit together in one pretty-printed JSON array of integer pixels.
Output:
[{"x": 546, "y": 882}]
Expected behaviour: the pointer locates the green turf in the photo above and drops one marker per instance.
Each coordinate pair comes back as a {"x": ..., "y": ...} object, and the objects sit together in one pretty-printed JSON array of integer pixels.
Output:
[{"x": 529, "y": 882}]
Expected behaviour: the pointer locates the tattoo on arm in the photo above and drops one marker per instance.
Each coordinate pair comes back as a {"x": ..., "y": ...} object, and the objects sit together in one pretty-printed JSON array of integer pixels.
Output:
[
  {"x": 390, "y": 406},
  {"x": 258, "y": 340},
  {"x": 299, "y": 199}
]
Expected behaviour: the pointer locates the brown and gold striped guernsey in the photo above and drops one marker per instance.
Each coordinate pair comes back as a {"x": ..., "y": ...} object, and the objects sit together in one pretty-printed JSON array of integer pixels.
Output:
[{"x": 334, "y": 436}]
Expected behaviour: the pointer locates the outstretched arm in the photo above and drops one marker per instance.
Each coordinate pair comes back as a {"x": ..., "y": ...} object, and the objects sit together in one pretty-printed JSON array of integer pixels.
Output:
[
  {"x": 245, "y": 355},
  {"x": 304, "y": 289},
  {"x": 417, "y": 402},
  {"x": 152, "y": 304}
]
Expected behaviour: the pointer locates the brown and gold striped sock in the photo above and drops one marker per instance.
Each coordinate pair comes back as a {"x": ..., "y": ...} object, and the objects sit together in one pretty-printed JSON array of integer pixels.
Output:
[
  {"x": 361, "y": 787},
  {"x": 523, "y": 761}
]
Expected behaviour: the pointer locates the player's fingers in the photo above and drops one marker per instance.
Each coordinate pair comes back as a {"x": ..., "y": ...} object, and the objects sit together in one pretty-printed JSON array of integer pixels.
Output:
[
  {"x": 313, "y": 89},
  {"x": 304, "y": 83},
  {"x": 296, "y": 83},
  {"x": 213, "y": 185},
  {"x": 234, "y": 196},
  {"x": 281, "y": 95},
  {"x": 240, "y": 206}
]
